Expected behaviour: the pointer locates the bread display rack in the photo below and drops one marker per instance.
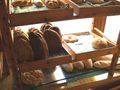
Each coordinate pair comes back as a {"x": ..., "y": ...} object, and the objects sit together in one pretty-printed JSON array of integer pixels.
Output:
[{"x": 9, "y": 20}]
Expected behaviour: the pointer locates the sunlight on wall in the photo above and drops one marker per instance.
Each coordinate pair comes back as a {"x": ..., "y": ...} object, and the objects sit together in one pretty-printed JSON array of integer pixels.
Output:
[{"x": 112, "y": 27}]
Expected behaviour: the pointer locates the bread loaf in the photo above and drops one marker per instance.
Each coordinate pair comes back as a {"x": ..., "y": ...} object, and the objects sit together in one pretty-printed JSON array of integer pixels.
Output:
[
  {"x": 88, "y": 63},
  {"x": 38, "y": 44},
  {"x": 22, "y": 48},
  {"x": 67, "y": 67},
  {"x": 102, "y": 64},
  {"x": 99, "y": 43},
  {"x": 53, "y": 40},
  {"x": 78, "y": 65},
  {"x": 32, "y": 77}
]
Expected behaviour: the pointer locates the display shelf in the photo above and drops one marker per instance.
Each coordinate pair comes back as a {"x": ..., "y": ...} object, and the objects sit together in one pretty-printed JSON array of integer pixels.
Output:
[
  {"x": 83, "y": 48},
  {"x": 49, "y": 15},
  {"x": 54, "y": 60},
  {"x": 88, "y": 9},
  {"x": 9, "y": 20}
]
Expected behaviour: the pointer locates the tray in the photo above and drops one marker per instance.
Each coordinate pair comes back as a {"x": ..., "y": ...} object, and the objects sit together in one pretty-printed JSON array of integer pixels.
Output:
[
  {"x": 53, "y": 60},
  {"x": 39, "y": 15},
  {"x": 83, "y": 49},
  {"x": 87, "y": 9},
  {"x": 59, "y": 76}
]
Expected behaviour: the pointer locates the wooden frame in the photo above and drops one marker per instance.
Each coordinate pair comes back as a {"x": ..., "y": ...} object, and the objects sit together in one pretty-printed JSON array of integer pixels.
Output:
[{"x": 49, "y": 16}]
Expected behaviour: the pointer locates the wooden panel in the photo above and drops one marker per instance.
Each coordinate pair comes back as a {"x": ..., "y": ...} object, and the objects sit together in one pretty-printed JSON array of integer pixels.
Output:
[
  {"x": 99, "y": 23},
  {"x": 40, "y": 16},
  {"x": 97, "y": 53},
  {"x": 93, "y": 85},
  {"x": 115, "y": 59},
  {"x": 51, "y": 62}
]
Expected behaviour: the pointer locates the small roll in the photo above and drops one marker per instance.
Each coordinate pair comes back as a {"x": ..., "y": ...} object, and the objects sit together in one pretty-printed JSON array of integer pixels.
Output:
[
  {"x": 102, "y": 64},
  {"x": 99, "y": 43},
  {"x": 78, "y": 65},
  {"x": 88, "y": 63},
  {"x": 68, "y": 67}
]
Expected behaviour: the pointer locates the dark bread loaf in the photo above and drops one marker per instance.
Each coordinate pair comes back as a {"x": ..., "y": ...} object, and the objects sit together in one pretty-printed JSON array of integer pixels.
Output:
[
  {"x": 22, "y": 48},
  {"x": 38, "y": 44},
  {"x": 53, "y": 40},
  {"x": 56, "y": 29}
]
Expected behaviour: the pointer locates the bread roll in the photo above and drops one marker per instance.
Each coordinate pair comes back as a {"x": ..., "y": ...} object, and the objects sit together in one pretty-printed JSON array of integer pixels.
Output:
[
  {"x": 88, "y": 63},
  {"x": 99, "y": 43},
  {"x": 102, "y": 64},
  {"x": 32, "y": 77},
  {"x": 68, "y": 67},
  {"x": 78, "y": 65}
]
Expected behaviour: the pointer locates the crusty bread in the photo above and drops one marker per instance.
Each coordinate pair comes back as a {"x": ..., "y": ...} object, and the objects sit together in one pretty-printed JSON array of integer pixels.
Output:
[
  {"x": 22, "y": 48},
  {"x": 88, "y": 63},
  {"x": 38, "y": 44},
  {"x": 67, "y": 67},
  {"x": 102, "y": 64},
  {"x": 32, "y": 77},
  {"x": 78, "y": 65},
  {"x": 53, "y": 40},
  {"x": 99, "y": 43}
]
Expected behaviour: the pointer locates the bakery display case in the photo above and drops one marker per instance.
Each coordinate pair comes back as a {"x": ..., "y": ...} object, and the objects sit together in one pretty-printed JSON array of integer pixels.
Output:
[{"x": 17, "y": 13}]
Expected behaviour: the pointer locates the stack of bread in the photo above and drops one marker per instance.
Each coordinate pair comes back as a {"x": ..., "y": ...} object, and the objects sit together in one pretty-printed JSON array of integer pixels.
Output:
[
  {"x": 79, "y": 65},
  {"x": 51, "y": 4},
  {"x": 24, "y": 53}
]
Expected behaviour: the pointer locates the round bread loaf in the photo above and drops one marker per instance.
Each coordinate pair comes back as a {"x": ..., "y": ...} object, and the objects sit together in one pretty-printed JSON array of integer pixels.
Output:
[
  {"x": 53, "y": 40},
  {"x": 88, "y": 63},
  {"x": 78, "y": 65},
  {"x": 38, "y": 44},
  {"x": 102, "y": 64},
  {"x": 99, "y": 43},
  {"x": 32, "y": 77},
  {"x": 22, "y": 48},
  {"x": 67, "y": 67}
]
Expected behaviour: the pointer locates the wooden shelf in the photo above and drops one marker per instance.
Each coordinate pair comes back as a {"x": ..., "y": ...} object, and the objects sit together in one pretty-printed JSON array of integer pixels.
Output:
[{"x": 18, "y": 19}]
